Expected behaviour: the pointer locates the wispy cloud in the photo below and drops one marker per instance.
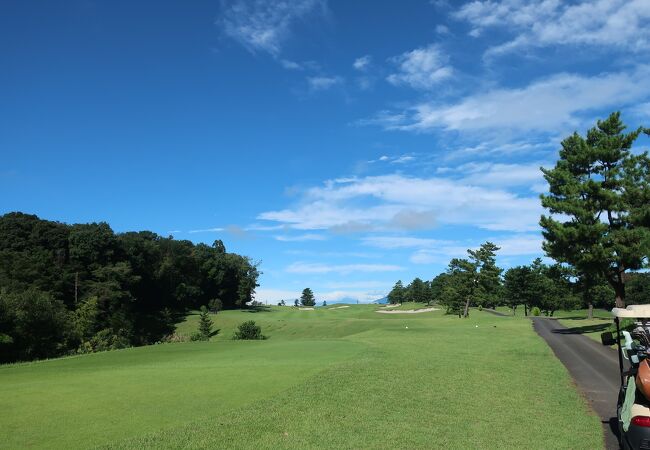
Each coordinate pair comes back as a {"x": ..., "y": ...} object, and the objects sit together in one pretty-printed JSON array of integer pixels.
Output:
[
  {"x": 362, "y": 62},
  {"x": 207, "y": 230},
  {"x": 550, "y": 104},
  {"x": 501, "y": 175},
  {"x": 300, "y": 237},
  {"x": 306, "y": 268},
  {"x": 442, "y": 29},
  {"x": 513, "y": 245},
  {"x": 333, "y": 254},
  {"x": 421, "y": 68},
  {"x": 400, "y": 159},
  {"x": 618, "y": 24},
  {"x": 323, "y": 83},
  {"x": 391, "y": 201},
  {"x": 264, "y": 25},
  {"x": 430, "y": 251}
]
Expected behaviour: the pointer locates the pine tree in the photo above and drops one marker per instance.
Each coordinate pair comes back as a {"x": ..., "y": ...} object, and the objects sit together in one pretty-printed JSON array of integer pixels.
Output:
[
  {"x": 417, "y": 291},
  {"x": 307, "y": 297},
  {"x": 603, "y": 192},
  {"x": 396, "y": 295},
  {"x": 205, "y": 324}
]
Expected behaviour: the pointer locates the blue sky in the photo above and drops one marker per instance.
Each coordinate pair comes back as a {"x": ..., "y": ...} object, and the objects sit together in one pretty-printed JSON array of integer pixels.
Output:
[{"x": 345, "y": 145}]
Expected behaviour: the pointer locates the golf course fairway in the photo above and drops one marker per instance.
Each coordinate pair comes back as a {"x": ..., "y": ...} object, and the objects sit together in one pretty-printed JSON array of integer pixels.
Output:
[{"x": 326, "y": 378}]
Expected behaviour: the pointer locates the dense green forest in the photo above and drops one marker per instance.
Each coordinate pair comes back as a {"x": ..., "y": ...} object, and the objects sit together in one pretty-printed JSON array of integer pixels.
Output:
[{"x": 83, "y": 288}]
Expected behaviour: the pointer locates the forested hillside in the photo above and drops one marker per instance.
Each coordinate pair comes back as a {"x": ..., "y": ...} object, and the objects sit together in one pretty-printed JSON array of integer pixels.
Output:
[{"x": 83, "y": 288}]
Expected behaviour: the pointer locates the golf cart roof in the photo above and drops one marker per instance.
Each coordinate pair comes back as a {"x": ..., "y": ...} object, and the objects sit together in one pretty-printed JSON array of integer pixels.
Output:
[{"x": 633, "y": 311}]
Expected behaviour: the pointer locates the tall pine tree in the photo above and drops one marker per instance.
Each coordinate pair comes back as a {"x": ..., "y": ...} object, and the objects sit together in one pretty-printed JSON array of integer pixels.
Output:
[
  {"x": 599, "y": 204},
  {"x": 307, "y": 297}
]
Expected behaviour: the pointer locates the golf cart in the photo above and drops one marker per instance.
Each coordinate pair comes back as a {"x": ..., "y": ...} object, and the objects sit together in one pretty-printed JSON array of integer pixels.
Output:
[{"x": 633, "y": 407}]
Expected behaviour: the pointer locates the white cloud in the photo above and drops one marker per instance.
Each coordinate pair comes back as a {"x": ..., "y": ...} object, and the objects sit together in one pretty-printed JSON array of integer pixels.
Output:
[
  {"x": 333, "y": 254},
  {"x": 435, "y": 251},
  {"x": 378, "y": 201},
  {"x": 362, "y": 62},
  {"x": 290, "y": 65},
  {"x": 442, "y": 29},
  {"x": 410, "y": 219},
  {"x": 323, "y": 83},
  {"x": 371, "y": 284},
  {"x": 502, "y": 175},
  {"x": 549, "y": 104},
  {"x": 300, "y": 237},
  {"x": 207, "y": 230},
  {"x": 497, "y": 147},
  {"x": 618, "y": 24},
  {"x": 519, "y": 244},
  {"x": 304, "y": 268},
  {"x": 421, "y": 68},
  {"x": 263, "y": 25},
  {"x": 396, "y": 242},
  {"x": 402, "y": 159}
]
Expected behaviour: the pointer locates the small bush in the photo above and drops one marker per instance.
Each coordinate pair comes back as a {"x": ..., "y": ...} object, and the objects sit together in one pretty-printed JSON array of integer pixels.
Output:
[
  {"x": 198, "y": 336},
  {"x": 248, "y": 330},
  {"x": 105, "y": 340},
  {"x": 480, "y": 307},
  {"x": 175, "y": 338},
  {"x": 535, "y": 311}
]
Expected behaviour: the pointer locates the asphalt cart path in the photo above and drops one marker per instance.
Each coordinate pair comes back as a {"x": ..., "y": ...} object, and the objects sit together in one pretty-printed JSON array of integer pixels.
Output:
[{"x": 593, "y": 367}]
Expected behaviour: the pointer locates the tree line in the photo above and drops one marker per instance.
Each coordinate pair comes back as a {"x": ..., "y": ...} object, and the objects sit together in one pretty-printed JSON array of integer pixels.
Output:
[
  {"x": 597, "y": 229},
  {"x": 476, "y": 281},
  {"x": 83, "y": 288}
]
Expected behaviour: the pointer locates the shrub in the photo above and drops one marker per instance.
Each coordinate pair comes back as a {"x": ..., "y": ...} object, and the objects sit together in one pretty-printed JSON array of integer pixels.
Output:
[
  {"x": 198, "y": 336},
  {"x": 105, "y": 340},
  {"x": 480, "y": 307},
  {"x": 248, "y": 330},
  {"x": 174, "y": 337},
  {"x": 215, "y": 305},
  {"x": 535, "y": 311}
]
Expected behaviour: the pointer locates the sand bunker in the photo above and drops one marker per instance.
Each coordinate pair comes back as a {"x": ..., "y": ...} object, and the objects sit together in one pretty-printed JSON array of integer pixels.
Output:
[
  {"x": 339, "y": 307},
  {"x": 306, "y": 309},
  {"x": 409, "y": 311},
  {"x": 392, "y": 306}
]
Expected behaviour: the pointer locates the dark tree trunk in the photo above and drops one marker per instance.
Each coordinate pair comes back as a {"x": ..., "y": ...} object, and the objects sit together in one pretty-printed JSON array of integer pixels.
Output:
[
  {"x": 619, "y": 287},
  {"x": 466, "y": 313},
  {"x": 525, "y": 310},
  {"x": 590, "y": 314}
]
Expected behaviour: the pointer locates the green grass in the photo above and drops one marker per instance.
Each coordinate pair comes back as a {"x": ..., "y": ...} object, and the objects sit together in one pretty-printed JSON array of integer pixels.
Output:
[{"x": 329, "y": 378}]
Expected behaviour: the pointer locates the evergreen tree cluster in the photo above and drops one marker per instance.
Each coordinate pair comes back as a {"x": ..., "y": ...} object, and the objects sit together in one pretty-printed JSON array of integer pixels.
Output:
[
  {"x": 82, "y": 287},
  {"x": 476, "y": 281},
  {"x": 417, "y": 291}
]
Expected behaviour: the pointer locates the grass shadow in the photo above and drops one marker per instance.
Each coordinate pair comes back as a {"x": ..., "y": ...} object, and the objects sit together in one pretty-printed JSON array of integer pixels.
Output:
[{"x": 215, "y": 332}]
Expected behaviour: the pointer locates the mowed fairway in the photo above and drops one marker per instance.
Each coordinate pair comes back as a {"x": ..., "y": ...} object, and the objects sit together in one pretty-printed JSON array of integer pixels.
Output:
[{"x": 329, "y": 378}]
